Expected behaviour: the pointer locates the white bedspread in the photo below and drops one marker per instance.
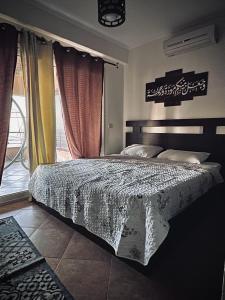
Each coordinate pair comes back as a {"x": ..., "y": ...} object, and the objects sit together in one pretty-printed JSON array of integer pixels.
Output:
[{"x": 125, "y": 202}]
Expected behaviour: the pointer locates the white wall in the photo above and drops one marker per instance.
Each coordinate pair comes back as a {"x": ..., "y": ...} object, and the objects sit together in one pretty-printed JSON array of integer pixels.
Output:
[
  {"x": 113, "y": 109},
  {"x": 149, "y": 62},
  {"x": 114, "y": 78},
  {"x": 28, "y": 13}
]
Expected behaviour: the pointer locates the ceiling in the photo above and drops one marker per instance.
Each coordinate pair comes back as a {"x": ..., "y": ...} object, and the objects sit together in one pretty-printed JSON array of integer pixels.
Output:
[{"x": 146, "y": 20}]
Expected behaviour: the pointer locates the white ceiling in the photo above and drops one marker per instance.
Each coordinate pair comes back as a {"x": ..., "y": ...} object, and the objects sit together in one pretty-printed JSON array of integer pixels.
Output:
[{"x": 146, "y": 20}]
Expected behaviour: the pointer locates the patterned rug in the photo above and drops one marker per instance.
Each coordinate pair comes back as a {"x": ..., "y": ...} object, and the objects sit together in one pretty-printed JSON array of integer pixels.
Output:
[{"x": 24, "y": 273}]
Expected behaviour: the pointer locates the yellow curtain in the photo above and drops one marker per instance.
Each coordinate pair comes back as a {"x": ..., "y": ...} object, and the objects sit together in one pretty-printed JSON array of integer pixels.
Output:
[{"x": 37, "y": 64}]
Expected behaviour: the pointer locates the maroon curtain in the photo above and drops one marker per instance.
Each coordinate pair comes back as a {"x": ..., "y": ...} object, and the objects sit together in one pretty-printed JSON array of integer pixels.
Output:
[
  {"x": 8, "y": 57},
  {"x": 80, "y": 79}
]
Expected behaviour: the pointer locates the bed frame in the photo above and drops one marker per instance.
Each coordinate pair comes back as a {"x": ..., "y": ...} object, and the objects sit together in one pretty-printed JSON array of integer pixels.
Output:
[
  {"x": 207, "y": 141},
  {"x": 190, "y": 220}
]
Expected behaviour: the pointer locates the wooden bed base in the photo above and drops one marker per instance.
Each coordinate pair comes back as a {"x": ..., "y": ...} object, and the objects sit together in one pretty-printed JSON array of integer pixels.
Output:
[{"x": 195, "y": 242}]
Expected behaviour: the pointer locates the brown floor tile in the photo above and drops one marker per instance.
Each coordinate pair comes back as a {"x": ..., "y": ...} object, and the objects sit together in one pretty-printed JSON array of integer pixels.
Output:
[
  {"x": 30, "y": 218},
  {"x": 86, "y": 280},
  {"x": 12, "y": 209},
  {"x": 33, "y": 206},
  {"x": 28, "y": 230},
  {"x": 9, "y": 213},
  {"x": 126, "y": 283},
  {"x": 53, "y": 262},
  {"x": 81, "y": 247},
  {"x": 15, "y": 205},
  {"x": 51, "y": 242},
  {"x": 54, "y": 223}
]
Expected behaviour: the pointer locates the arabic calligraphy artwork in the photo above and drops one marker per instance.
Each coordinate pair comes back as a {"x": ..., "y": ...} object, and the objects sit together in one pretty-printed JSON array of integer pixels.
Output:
[{"x": 177, "y": 86}]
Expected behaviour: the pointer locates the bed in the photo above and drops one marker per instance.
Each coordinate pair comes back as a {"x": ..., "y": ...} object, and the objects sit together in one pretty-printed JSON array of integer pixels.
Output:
[{"x": 128, "y": 202}]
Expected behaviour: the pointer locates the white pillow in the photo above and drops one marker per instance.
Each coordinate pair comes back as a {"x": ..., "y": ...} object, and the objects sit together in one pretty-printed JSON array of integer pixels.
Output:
[
  {"x": 186, "y": 156},
  {"x": 211, "y": 165},
  {"x": 147, "y": 151}
]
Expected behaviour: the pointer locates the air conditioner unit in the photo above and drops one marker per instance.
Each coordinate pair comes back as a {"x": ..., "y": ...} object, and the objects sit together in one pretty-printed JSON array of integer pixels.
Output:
[{"x": 192, "y": 40}]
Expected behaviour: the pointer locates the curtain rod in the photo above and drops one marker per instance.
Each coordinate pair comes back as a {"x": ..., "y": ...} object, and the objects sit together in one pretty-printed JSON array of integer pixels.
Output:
[
  {"x": 43, "y": 40},
  {"x": 116, "y": 65},
  {"x": 112, "y": 64}
]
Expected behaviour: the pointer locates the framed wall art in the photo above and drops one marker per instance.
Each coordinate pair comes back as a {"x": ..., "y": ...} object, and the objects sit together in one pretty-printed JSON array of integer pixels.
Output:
[{"x": 176, "y": 87}]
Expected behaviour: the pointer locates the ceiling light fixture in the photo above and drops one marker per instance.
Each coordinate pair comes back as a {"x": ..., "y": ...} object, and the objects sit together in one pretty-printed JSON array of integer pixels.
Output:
[{"x": 111, "y": 13}]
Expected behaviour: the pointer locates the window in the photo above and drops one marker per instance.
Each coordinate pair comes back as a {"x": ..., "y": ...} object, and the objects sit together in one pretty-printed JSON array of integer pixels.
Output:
[{"x": 16, "y": 174}]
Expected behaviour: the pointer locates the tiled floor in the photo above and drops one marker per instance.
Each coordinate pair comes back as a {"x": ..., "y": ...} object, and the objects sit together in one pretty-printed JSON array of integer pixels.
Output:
[
  {"x": 90, "y": 272},
  {"x": 15, "y": 179}
]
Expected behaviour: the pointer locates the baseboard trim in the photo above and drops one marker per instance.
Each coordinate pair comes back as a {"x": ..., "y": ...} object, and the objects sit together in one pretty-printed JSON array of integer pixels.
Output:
[{"x": 15, "y": 197}]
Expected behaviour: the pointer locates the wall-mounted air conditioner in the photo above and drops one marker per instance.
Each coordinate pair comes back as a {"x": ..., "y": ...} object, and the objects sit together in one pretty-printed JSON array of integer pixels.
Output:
[{"x": 192, "y": 40}]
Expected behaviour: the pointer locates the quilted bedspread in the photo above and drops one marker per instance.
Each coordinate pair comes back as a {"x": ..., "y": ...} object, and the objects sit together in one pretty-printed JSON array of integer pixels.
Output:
[{"x": 125, "y": 202}]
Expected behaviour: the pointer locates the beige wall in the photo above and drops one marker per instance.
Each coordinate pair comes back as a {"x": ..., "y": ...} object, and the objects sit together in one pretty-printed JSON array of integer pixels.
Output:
[
  {"x": 113, "y": 109},
  {"x": 149, "y": 62},
  {"x": 125, "y": 97},
  {"x": 114, "y": 81},
  {"x": 29, "y": 13}
]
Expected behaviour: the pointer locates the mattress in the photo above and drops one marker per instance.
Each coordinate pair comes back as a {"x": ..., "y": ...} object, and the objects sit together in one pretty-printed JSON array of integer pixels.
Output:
[{"x": 126, "y": 202}]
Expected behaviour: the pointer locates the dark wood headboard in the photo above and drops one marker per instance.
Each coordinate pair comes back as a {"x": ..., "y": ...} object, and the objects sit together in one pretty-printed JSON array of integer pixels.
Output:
[{"x": 207, "y": 141}]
